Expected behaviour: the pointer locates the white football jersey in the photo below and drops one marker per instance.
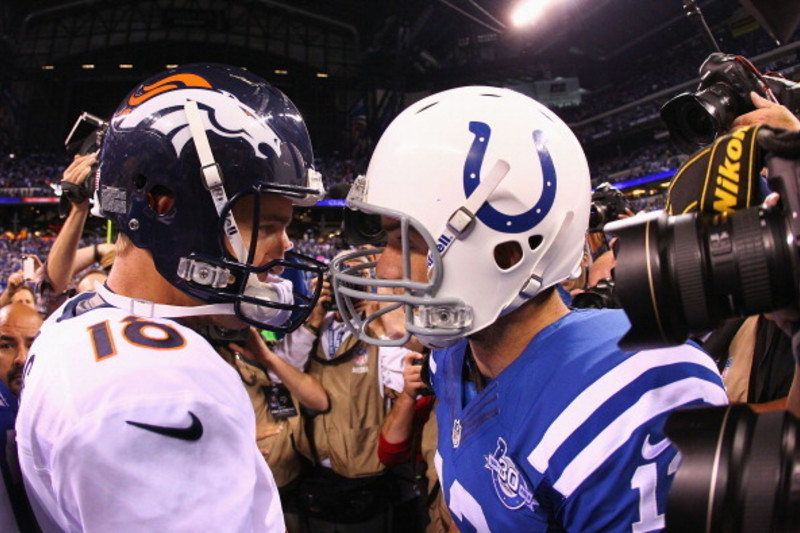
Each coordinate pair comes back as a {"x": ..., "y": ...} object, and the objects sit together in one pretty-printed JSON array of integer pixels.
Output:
[{"x": 137, "y": 424}]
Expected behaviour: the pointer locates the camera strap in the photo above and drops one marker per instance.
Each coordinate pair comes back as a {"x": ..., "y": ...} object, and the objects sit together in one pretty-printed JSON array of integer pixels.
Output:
[{"x": 721, "y": 178}]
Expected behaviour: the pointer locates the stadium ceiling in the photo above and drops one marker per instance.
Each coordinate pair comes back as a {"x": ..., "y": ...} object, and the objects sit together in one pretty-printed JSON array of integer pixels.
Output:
[{"x": 418, "y": 44}]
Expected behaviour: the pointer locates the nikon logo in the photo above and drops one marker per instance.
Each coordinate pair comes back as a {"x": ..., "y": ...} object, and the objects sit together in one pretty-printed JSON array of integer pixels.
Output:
[{"x": 728, "y": 174}]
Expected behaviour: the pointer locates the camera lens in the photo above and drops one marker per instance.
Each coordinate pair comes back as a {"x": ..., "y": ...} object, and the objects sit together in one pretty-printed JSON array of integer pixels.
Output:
[
  {"x": 696, "y": 120},
  {"x": 684, "y": 274},
  {"x": 589, "y": 300},
  {"x": 597, "y": 217},
  {"x": 362, "y": 228},
  {"x": 738, "y": 470}
]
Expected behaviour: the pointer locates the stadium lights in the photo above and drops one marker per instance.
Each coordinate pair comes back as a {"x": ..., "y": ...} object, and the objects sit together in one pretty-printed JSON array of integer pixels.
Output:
[
  {"x": 281, "y": 71},
  {"x": 527, "y": 12},
  {"x": 125, "y": 65},
  {"x": 322, "y": 74},
  {"x": 87, "y": 66},
  {"x": 48, "y": 67},
  {"x": 171, "y": 65}
]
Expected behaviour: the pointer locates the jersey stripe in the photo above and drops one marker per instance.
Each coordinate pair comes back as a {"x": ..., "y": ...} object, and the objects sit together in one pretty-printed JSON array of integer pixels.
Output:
[
  {"x": 652, "y": 404},
  {"x": 582, "y": 407}
]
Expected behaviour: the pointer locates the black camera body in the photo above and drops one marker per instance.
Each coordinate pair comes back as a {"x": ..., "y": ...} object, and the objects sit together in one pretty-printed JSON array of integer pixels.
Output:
[
  {"x": 329, "y": 305},
  {"x": 86, "y": 143},
  {"x": 696, "y": 119},
  {"x": 608, "y": 203},
  {"x": 601, "y": 296}
]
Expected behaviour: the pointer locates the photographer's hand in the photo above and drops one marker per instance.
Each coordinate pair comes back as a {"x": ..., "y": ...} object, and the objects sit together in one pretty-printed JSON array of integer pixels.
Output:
[
  {"x": 78, "y": 171},
  {"x": 314, "y": 320},
  {"x": 768, "y": 113},
  {"x": 412, "y": 375}
]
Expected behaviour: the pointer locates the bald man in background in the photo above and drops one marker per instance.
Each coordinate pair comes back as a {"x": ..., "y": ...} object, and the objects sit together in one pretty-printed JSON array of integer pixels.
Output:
[{"x": 19, "y": 324}]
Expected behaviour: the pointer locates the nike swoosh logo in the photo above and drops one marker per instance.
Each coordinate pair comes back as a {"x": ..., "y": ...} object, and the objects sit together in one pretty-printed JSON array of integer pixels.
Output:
[
  {"x": 650, "y": 451},
  {"x": 191, "y": 432}
]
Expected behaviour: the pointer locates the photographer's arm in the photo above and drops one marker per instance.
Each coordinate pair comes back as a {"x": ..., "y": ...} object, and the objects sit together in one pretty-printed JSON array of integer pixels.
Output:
[
  {"x": 398, "y": 426},
  {"x": 14, "y": 282},
  {"x": 304, "y": 387},
  {"x": 61, "y": 261}
]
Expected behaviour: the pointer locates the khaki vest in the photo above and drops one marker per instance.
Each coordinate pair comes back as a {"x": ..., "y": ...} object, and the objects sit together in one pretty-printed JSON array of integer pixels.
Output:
[
  {"x": 347, "y": 433},
  {"x": 283, "y": 460}
]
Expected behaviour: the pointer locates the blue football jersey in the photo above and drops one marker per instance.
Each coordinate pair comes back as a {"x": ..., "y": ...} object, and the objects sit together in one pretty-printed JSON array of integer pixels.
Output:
[{"x": 569, "y": 437}]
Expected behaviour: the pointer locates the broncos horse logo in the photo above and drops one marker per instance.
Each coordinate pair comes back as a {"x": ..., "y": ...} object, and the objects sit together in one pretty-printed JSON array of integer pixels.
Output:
[{"x": 161, "y": 104}]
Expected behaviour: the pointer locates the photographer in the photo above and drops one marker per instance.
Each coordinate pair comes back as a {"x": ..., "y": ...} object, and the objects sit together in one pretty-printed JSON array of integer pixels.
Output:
[
  {"x": 608, "y": 204},
  {"x": 65, "y": 258},
  {"x": 715, "y": 255},
  {"x": 347, "y": 487},
  {"x": 754, "y": 356}
]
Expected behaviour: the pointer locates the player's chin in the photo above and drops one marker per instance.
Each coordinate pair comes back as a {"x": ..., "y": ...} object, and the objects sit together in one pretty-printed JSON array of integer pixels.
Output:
[
  {"x": 271, "y": 273},
  {"x": 15, "y": 383}
]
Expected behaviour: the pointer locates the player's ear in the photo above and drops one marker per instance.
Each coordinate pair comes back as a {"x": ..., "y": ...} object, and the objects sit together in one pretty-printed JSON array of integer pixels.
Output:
[
  {"x": 161, "y": 199},
  {"x": 507, "y": 254}
]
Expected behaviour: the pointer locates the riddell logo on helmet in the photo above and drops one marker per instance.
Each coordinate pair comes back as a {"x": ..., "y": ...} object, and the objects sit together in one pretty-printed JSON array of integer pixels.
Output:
[{"x": 170, "y": 83}]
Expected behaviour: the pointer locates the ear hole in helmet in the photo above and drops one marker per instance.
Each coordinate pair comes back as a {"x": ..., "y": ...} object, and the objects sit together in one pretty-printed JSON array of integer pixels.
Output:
[
  {"x": 507, "y": 254},
  {"x": 161, "y": 199},
  {"x": 139, "y": 181},
  {"x": 534, "y": 241}
]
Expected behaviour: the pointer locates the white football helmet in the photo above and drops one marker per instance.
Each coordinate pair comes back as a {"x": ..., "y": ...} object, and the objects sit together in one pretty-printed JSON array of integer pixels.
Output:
[{"x": 470, "y": 169}]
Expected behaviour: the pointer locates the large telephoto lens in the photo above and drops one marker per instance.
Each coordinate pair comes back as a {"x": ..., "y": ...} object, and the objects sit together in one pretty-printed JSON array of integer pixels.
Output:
[
  {"x": 739, "y": 471},
  {"x": 683, "y": 274}
]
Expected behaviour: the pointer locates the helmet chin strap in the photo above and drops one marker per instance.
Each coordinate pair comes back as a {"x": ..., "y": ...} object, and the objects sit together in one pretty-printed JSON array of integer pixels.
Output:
[
  {"x": 148, "y": 309},
  {"x": 213, "y": 178}
]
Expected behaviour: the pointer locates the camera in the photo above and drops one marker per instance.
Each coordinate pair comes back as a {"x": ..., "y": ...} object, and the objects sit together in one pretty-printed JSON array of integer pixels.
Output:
[
  {"x": 696, "y": 119},
  {"x": 686, "y": 273},
  {"x": 329, "y": 305},
  {"x": 601, "y": 296},
  {"x": 608, "y": 203},
  {"x": 28, "y": 268},
  {"x": 85, "y": 137},
  {"x": 425, "y": 373},
  {"x": 738, "y": 467},
  {"x": 683, "y": 274}
]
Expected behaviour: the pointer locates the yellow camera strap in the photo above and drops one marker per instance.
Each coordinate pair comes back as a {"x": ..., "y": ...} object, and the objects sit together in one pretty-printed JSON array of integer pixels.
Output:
[{"x": 721, "y": 178}]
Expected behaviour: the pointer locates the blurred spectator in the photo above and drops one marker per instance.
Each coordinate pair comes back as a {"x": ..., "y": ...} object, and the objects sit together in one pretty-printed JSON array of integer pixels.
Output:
[
  {"x": 24, "y": 295},
  {"x": 19, "y": 324},
  {"x": 409, "y": 434}
]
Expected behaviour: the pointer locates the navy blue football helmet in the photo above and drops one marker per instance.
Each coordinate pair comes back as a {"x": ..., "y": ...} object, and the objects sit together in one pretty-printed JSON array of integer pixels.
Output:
[{"x": 208, "y": 136}]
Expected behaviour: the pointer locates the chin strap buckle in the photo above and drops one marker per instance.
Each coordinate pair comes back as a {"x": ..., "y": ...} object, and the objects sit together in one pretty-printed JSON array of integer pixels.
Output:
[{"x": 202, "y": 273}]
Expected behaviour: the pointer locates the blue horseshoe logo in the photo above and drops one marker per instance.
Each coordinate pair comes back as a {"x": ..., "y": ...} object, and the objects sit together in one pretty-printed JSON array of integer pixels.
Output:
[{"x": 487, "y": 214}]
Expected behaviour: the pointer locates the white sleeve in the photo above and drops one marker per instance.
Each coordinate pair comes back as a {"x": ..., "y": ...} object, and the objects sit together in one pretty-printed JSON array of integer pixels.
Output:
[
  {"x": 111, "y": 475},
  {"x": 390, "y": 367},
  {"x": 294, "y": 348}
]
